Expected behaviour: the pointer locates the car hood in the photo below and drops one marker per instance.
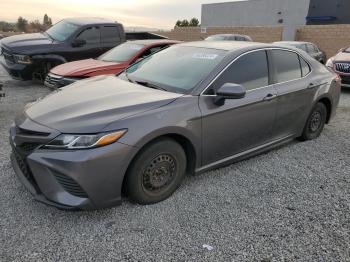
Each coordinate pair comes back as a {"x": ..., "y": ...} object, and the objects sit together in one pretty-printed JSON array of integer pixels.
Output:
[
  {"x": 26, "y": 43},
  {"x": 342, "y": 57},
  {"x": 85, "y": 67},
  {"x": 90, "y": 105}
]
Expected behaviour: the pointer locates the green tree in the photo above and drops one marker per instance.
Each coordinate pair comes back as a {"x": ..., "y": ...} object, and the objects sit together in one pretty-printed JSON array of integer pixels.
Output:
[
  {"x": 47, "y": 21},
  {"x": 194, "y": 22},
  {"x": 178, "y": 23},
  {"x": 185, "y": 23},
  {"x": 21, "y": 24}
]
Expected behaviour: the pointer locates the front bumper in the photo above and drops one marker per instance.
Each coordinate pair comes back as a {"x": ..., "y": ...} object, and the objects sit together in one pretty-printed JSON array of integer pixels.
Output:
[
  {"x": 18, "y": 71},
  {"x": 345, "y": 80},
  {"x": 81, "y": 179}
]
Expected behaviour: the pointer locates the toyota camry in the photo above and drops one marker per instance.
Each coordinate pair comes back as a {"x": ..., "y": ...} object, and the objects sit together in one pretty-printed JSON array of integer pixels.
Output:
[{"x": 188, "y": 109}]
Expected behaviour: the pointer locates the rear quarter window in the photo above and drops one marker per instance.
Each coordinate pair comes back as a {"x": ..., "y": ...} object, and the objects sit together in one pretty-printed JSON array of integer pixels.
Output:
[{"x": 305, "y": 68}]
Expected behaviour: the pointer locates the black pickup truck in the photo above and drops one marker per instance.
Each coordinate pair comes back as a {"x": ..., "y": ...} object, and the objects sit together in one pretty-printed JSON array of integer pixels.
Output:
[{"x": 31, "y": 56}]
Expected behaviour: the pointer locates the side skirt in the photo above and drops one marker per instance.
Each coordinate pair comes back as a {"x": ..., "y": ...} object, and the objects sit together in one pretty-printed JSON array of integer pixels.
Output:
[{"x": 246, "y": 154}]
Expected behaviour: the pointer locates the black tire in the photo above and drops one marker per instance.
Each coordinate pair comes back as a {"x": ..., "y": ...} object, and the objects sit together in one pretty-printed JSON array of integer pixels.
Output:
[
  {"x": 315, "y": 123},
  {"x": 156, "y": 172}
]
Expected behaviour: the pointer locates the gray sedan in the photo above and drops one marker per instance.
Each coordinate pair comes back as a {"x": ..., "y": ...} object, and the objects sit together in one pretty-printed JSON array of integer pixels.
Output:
[{"x": 190, "y": 108}]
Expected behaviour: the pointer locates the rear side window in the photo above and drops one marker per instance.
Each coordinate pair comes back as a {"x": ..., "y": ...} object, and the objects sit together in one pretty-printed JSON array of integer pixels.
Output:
[
  {"x": 91, "y": 35},
  {"x": 287, "y": 65},
  {"x": 250, "y": 70},
  {"x": 110, "y": 35},
  {"x": 303, "y": 47},
  {"x": 305, "y": 68},
  {"x": 311, "y": 48}
]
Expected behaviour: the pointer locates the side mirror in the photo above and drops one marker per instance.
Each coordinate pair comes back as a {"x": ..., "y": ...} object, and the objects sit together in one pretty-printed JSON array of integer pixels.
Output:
[
  {"x": 229, "y": 91},
  {"x": 78, "y": 43},
  {"x": 341, "y": 50}
]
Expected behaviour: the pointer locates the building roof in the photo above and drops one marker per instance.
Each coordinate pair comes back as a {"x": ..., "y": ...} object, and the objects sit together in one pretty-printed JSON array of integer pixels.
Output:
[{"x": 291, "y": 43}]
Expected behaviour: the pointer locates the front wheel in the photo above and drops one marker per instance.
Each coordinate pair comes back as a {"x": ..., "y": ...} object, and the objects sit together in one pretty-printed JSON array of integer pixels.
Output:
[
  {"x": 315, "y": 123},
  {"x": 157, "y": 172}
]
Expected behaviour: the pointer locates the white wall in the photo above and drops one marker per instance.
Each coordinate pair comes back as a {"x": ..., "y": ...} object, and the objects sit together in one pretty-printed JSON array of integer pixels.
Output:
[{"x": 257, "y": 13}]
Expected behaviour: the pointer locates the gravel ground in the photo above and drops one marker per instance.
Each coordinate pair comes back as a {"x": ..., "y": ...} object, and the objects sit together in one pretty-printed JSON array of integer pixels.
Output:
[{"x": 291, "y": 204}]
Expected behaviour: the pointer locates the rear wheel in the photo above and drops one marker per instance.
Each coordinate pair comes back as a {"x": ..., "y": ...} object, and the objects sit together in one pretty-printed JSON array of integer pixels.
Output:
[
  {"x": 156, "y": 172},
  {"x": 315, "y": 123}
]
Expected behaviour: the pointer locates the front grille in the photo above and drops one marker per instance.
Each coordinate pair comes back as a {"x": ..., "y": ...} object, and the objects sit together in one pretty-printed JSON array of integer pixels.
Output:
[
  {"x": 70, "y": 185},
  {"x": 343, "y": 67},
  {"x": 26, "y": 132},
  {"x": 53, "y": 80},
  {"x": 28, "y": 147},
  {"x": 345, "y": 80}
]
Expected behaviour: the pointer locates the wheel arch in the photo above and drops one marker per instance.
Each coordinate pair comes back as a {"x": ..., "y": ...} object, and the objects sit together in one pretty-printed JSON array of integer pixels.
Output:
[
  {"x": 184, "y": 141},
  {"x": 328, "y": 104}
]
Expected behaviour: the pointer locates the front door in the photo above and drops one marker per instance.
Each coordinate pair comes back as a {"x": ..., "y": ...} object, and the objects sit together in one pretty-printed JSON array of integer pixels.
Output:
[
  {"x": 92, "y": 46},
  {"x": 239, "y": 124}
]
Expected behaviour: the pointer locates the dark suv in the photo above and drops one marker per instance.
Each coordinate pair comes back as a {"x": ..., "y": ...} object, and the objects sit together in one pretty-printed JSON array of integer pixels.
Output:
[{"x": 31, "y": 56}]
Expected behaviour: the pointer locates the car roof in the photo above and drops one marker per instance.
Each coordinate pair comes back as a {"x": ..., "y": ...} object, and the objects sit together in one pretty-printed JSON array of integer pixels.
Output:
[
  {"x": 291, "y": 42},
  {"x": 226, "y": 45},
  {"x": 228, "y": 35},
  {"x": 89, "y": 21},
  {"x": 147, "y": 42}
]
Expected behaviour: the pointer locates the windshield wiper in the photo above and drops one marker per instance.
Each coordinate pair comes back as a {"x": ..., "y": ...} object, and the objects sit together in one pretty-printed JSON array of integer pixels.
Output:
[{"x": 147, "y": 84}]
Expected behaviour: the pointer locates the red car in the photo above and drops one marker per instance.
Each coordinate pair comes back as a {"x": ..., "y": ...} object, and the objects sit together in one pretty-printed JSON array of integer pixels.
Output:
[{"x": 114, "y": 61}]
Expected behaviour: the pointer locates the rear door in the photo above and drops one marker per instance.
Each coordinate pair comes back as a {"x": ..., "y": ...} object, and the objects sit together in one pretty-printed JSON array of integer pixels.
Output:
[
  {"x": 239, "y": 124},
  {"x": 110, "y": 37},
  {"x": 295, "y": 91}
]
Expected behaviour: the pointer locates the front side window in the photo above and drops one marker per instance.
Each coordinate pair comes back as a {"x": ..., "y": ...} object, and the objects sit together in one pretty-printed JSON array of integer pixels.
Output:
[
  {"x": 91, "y": 35},
  {"x": 250, "y": 71},
  {"x": 177, "y": 68},
  {"x": 287, "y": 65},
  {"x": 62, "y": 30}
]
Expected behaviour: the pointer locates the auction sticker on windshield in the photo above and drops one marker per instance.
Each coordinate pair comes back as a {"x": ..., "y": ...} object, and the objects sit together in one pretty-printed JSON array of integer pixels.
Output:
[
  {"x": 136, "y": 47},
  {"x": 205, "y": 56}
]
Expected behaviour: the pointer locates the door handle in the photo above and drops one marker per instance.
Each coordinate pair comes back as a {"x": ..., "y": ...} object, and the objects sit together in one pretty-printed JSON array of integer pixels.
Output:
[
  {"x": 311, "y": 85},
  {"x": 270, "y": 97}
]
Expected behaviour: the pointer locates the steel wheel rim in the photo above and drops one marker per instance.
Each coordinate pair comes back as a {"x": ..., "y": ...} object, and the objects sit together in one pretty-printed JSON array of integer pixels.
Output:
[
  {"x": 159, "y": 173},
  {"x": 315, "y": 121}
]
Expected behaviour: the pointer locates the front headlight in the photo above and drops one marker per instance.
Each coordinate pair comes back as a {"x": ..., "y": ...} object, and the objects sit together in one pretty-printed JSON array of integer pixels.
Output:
[
  {"x": 22, "y": 59},
  {"x": 330, "y": 63},
  {"x": 72, "y": 141}
]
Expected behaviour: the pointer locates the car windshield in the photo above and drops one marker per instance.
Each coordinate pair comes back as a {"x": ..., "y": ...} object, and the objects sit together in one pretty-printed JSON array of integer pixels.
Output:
[
  {"x": 176, "y": 69},
  {"x": 121, "y": 53},
  {"x": 347, "y": 50},
  {"x": 61, "y": 31}
]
